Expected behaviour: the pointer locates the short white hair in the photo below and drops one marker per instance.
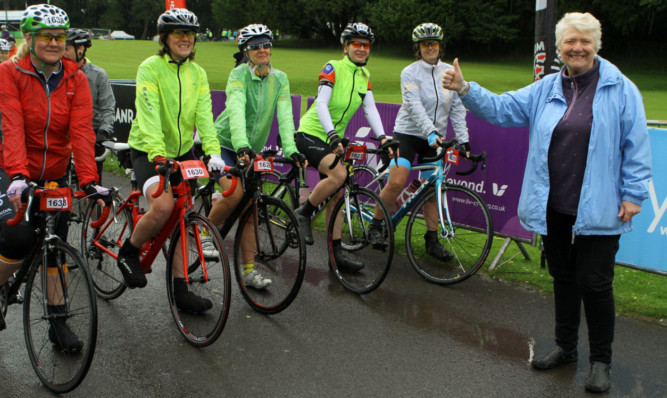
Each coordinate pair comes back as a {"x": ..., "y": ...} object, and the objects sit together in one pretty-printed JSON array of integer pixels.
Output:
[{"x": 582, "y": 22}]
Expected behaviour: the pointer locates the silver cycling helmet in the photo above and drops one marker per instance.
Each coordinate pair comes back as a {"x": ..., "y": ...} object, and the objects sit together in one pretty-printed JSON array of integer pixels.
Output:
[
  {"x": 357, "y": 30},
  {"x": 4, "y": 45},
  {"x": 78, "y": 37},
  {"x": 252, "y": 31},
  {"x": 177, "y": 18}
]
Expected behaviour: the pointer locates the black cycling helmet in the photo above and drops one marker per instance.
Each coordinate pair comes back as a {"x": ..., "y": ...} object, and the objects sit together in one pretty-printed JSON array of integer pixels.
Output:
[
  {"x": 357, "y": 30},
  {"x": 177, "y": 18},
  {"x": 78, "y": 37}
]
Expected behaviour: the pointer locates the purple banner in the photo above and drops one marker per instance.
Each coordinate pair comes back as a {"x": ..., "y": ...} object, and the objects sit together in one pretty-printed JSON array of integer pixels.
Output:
[{"x": 499, "y": 184}]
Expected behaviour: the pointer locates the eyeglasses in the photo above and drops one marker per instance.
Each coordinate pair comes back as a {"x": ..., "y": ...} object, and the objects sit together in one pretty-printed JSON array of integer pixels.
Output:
[
  {"x": 178, "y": 34},
  {"x": 427, "y": 44},
  {"x": 46, "y": 37},
  {"x": 358, "y": 45},
  {"x": 255, "y": 47}
]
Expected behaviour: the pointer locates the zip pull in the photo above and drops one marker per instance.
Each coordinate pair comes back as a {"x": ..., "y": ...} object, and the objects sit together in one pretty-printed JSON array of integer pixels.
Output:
[{"x": 573, "y": 235}]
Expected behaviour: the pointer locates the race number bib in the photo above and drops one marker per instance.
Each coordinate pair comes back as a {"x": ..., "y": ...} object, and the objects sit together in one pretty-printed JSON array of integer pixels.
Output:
[
  {"x": 262, "y": 164},
  {"x": 59, "y": 199},
  {"x": 191, "y": 169},
  {"x": 452, "y": 156},
  {"x": 356, "y": 152}
]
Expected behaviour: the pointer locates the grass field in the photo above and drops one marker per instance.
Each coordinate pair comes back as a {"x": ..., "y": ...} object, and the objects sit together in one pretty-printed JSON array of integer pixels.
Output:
[
  {"x": 121, "y": 58},
  {"x": 637, "y": 293}
]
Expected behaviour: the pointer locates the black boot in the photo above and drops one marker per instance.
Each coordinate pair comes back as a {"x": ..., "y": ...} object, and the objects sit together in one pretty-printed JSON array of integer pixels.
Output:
[
  {"x": 343, "y": 263},
  {"x": 434, "y": 248},
  {"x": 129, "y": 265},
  {"x": 304, "y": 224},
  {"x": 599, "y": 378},
  {"x": 59, "y": 332},
  {"x": 188, "y": 301},
  {"x": 555, "y": 358}
]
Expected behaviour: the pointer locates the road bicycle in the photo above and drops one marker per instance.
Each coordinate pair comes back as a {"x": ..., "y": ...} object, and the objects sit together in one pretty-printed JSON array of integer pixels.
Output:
[
  {"x": 268, "y": 223},
  {"x": 206, "y": 272},
  {"x": 464, "y": 223},
  {"x": 356, "y": 207},
  {"x": 58, "y": 290}
]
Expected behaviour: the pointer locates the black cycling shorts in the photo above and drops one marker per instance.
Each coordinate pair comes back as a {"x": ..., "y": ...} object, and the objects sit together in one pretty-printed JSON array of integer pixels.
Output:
[
  {"x": 313, "y": 148},
  {"x": 411, "y": 145}
]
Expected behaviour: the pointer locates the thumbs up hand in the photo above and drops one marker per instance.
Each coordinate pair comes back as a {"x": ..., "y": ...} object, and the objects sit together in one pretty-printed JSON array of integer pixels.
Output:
[{"x": 453, "y": 79}]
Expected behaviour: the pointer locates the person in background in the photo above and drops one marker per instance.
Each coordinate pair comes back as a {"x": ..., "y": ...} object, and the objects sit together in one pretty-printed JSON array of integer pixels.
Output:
[
  {"x": 104, "y": 103},
  {"x": 420, "y": 126},
  {"x": 46, "y": 117},
  {"x": 5, "y": 47},
  {"x": 5, "y": 32},
  {"x": 12, "y": 43},
  {"x": 587, "y": 174},
  {"x": 344, "y": 86},
  {"x": 255, "y": 90},
  {"x": 173, "y": 97}
]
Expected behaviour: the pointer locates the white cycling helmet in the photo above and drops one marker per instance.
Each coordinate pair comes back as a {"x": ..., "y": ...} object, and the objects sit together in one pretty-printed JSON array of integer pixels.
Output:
[
  {"x": 43, "y": 16},
  {"x": 177, "y": 18},
  {"x": 252, "y": 31},
  {"x": 4, "y": 45}
]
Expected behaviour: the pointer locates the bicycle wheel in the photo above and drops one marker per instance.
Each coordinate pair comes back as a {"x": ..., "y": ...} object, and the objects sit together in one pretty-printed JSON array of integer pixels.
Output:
[
  {"x": 272, "y": 186},
  {"x": 59, "y": 369},
  {"x": 275, "y": 243},
  {"x": 364, "y": 176},
  {"x": 357, "y": 215},
  {"x": 468, "y": 239},
  {"x": 208, "y": 279},
  {"x": 107, "y": 278}
]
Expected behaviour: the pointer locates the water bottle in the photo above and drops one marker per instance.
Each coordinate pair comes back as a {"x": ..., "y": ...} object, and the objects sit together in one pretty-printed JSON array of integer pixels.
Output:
[
  {"x": 407, "y": 193},
  {"x": 215, "y": 196}
]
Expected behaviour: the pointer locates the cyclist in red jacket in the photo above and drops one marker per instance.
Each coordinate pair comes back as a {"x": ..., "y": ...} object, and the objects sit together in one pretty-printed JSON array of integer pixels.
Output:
[{"x": 46, "y": 117}]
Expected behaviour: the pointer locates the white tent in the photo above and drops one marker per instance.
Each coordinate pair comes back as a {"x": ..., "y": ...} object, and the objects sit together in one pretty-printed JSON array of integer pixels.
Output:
[{"x": 120, "y": 35}]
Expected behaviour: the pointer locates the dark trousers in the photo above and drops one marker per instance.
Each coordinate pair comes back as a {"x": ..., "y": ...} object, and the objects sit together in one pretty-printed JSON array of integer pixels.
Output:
[{"x": 583, "y": 271}]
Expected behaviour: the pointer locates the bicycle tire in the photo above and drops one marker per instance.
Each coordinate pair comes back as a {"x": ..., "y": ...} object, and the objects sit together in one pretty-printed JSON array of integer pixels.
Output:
[
  {"x": 272, "y": 185},
  {"x": 211, "y": 282},
  {"x": 355, "y": 243},
  {"x": 107, "y": 278},
  {"x": 279, "y": 254},
  {"x": 60, "y": 371},
  {"x": 364, "y": 176},
  {"x": 469, "y": 241}
]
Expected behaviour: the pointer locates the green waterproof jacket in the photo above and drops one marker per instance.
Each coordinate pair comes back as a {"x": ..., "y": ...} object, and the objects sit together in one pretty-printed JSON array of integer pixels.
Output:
[
  {"x": 171, "y": 100},
  {"x": 350, "y": 85},
  {"x": 251, "y": 103}
]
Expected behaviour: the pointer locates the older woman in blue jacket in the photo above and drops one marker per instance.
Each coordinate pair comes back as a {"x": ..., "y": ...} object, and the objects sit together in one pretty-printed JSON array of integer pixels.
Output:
[{"x": 587, "y": 173}]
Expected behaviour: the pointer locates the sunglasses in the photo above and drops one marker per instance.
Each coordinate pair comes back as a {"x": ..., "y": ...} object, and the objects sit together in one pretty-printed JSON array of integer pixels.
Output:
[
  {"x": 255, "y": 47},
  {"x": 427, "y": 44},
  {"x": 47, "y": 37},
  {"x": 178, "y": 34},
  {"x": 358, "y": 45}
]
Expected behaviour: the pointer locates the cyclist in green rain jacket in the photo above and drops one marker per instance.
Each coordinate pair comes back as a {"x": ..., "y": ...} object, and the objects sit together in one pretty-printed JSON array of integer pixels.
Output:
[{"x": 254, "y": 91}]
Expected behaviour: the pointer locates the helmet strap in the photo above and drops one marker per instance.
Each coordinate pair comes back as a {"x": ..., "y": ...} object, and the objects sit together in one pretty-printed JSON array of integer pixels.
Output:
[{"x": 76, "y": 51}]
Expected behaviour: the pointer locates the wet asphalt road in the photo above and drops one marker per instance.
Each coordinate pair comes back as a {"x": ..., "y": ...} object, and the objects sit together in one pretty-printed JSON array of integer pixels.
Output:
[{"x": 408, "y": 338}]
